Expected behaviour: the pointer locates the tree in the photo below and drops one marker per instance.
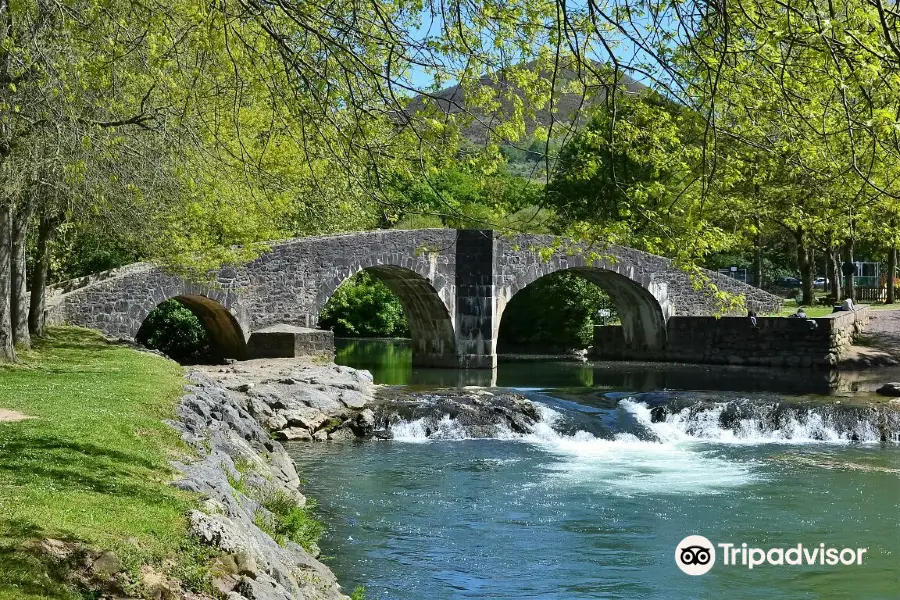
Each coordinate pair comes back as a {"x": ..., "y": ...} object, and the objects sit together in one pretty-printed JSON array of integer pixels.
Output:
[
  {"x": 462, "y": 195},
  {"x": 631, "y": 176},
  {"x": 555, "y": 313},
  {"x": 364, "y": 307}
]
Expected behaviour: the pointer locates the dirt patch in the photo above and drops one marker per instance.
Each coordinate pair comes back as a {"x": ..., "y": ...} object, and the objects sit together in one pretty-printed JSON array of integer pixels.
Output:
[
  {"x": 11, "y": 416},
  {"x": 883, "y": 332},
  {"x": 866, "y": 357}
]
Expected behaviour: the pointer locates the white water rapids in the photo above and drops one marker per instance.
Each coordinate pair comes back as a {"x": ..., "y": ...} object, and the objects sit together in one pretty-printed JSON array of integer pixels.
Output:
[
  {"x": 685, "y": 425},
  {"x": 680, "y": 453}
]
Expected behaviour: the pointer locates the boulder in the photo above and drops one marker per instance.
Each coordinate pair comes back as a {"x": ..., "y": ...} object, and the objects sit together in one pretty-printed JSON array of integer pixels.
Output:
[
  {"x": 889, "y": 389},
  {"x": 158, "y": 586},
  {"x": 305, "y": 416},
  {"x": 217, "y": 532},
  {"x": 345, "y": 434},
  {"x": 246, "y": 564},
  {"x": 364, "y": 424},
  {"x": 294, "y": 434},
  {"x": 321, "y": 401},
  {"x": 108, "y": 564},
  {"x": 263, "y": 587},
  {"x": 353, "y": 399},
  {"x": 274, "y": 422}
]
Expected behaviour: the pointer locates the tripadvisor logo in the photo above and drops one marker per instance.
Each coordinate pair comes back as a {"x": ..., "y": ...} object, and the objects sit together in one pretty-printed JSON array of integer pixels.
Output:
[{"x": 696, "y": 555}]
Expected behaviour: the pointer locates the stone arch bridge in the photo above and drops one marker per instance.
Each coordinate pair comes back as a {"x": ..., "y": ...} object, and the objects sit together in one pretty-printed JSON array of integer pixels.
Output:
[{"x": 453, "y": 285}]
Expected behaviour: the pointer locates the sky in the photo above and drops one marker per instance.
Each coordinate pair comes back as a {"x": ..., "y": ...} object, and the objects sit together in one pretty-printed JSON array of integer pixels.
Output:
[{"x": 624, "y": 50}]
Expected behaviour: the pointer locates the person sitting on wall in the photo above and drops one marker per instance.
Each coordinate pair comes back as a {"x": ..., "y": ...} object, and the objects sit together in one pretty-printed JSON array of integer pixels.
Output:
[
  {"x": 752, "y": 315},
  {"x": 847, "y": 305},
  {"x": 801, "y": 314}
]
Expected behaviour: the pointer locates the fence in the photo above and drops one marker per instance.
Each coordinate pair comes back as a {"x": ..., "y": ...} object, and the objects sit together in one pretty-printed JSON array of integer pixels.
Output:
[{"x": 873, "y": 293}]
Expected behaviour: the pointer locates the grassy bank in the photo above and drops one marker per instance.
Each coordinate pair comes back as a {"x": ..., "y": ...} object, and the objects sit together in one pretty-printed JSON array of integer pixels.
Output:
[
  {"x": 93, "y": 465},
  {"x": 791, "y": 306}
]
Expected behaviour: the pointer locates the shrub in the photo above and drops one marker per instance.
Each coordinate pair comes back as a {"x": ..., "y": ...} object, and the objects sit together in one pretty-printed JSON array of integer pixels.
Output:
[
  {"x": 288, "y": 520},
  {"x": 176, "y": 332},
  {"x": 364, "y": 307}
]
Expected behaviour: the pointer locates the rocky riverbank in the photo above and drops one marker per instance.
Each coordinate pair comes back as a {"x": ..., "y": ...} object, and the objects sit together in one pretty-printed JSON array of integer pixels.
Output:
[
  {"x": 252, "y": 502},
  {"x": 232, "y": 417},
  {"x": 299, "y": 401}
]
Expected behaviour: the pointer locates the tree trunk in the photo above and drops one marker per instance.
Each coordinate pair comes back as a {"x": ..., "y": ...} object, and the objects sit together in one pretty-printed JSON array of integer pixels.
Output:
[
  {"x": 849, "y": 280},
  {"x": 829, "y": 270},
  {"x": 19, "y": 294},
  {"x": 757, "y": 259},
  {"x": 806, "y": 271},
  {"x": 7, "y": 348},
  {"x": 39, "y": 273},
  {"x": 891, "y": 268},
  {"x": 813, "y": 266},
  {"x": 835, "y": 273}
]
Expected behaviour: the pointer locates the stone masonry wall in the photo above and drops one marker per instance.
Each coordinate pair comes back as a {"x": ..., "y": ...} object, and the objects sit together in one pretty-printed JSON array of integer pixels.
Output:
[
  {"x": 287, "y": 341},
  {"x": 775, "y": 341}
]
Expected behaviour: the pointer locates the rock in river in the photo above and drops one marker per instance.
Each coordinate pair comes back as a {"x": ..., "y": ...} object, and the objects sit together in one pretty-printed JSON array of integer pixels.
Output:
[
  {"x": 889, "y": 389},
  {"x": 474, "y": 413}
]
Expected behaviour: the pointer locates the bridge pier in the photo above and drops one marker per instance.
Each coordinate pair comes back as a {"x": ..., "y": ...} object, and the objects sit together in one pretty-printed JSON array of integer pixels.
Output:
[{"x": 476, "y": 300}]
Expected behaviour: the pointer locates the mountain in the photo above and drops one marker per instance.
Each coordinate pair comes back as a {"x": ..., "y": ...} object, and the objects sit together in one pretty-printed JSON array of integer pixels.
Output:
[{"x": 568, "y": 108}]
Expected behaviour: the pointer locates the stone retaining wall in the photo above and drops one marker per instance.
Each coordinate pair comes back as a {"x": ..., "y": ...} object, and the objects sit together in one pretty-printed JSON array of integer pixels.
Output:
[
  {"x": 775, "y": 341},
  {"x": 287, "y": 341}
]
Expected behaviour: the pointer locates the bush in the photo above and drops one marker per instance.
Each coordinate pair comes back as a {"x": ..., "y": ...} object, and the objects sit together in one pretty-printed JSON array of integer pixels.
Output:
[
  {"x": 364, "y": 307},
  {"x": 416, "y": 221},
  {"x": 176, "y": 332}
]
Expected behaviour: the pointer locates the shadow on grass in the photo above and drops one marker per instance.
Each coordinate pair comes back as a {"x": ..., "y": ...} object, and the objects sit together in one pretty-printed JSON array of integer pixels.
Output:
[
  {"x": 25, "y": 570},
  {"x": 70, "y": 466},
  {"x": 60, "y": 341}
]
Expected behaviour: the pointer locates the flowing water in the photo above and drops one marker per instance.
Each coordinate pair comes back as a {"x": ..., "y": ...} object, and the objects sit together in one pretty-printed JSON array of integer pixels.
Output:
[{"x": 593, "y": 502}]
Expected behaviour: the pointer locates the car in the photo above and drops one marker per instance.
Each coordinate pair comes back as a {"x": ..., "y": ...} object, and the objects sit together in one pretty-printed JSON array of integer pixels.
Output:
[
  {"x": 790, "y": 282},
  {"x": 820, "y": 282}
]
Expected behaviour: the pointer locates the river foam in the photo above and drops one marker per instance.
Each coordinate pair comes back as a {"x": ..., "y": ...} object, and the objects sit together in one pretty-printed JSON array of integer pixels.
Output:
[
  {"x": 723, "y": 422},
  {"x": 632, "y": 465}
]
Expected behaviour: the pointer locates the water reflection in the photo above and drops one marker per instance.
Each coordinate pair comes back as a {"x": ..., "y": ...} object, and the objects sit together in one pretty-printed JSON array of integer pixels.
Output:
[{"x": 390, "y": 362}]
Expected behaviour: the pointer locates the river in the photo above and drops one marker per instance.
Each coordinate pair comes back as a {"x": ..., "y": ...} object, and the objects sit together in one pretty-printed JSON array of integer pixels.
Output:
[{"x": 593, "y": 503}]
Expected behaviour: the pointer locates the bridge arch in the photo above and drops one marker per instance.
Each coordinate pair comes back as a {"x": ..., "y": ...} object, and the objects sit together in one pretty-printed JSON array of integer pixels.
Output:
[
  {"x": 640, "y": 310},
  {"x": 226, "y": 336},
  {"x": 636, "y": 282},
  {"x": 430, "y": 321}
]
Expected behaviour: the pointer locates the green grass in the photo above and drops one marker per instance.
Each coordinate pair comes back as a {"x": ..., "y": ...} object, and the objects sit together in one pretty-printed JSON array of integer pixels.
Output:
[
  {"x": 288, "y": 520},
  {"x": 790, "y": 307},
  {"x": 93, "y": 466}
]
